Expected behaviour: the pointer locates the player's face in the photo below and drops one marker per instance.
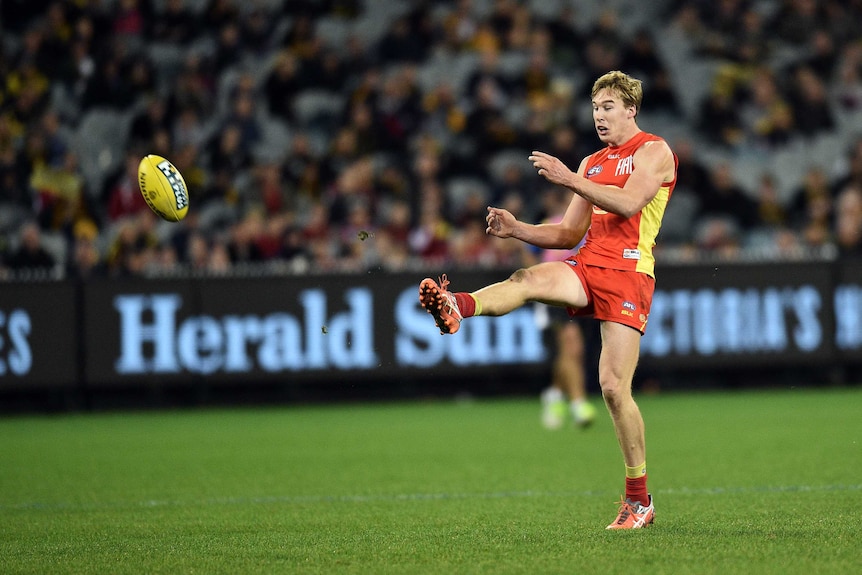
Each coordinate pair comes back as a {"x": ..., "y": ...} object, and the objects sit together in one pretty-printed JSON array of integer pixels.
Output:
[{"x": 611, "y": 117}]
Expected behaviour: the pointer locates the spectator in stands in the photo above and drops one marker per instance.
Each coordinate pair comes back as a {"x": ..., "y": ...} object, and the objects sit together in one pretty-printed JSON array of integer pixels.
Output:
[
  {"x": 186, "y": 158},
  {"x": 59, "y": 59},
  {"x": 85, "y": 261},
  {"x": 851, "y": 167},
  {"x": 27, "y": 88},
  {"x": 342, "y": 154},
  {"x": 13, "y": 172},
  {"x": 108, "y": 86},
  {"x": 140, "y": 74},
  {"x": 718, "y": 236},
  {"x": 400, "y": 43},
  {"x": 294, "y": 249},
  {"x": 243, "y": 112},
  {"x": 77, "y": 69},
  {"x": 719, "y": 120},
  {"x": 767, "y": 115},
  {"x": 124, "y": 197},
  {"x": 227, "y": 152},
  {"x": 771, "y": 213},
  {"x": 282, "y": 84},
  {"x": 565, "y": 36},
  {"x": 692, "y": 174},
  {"x": 810, "y": 102},
  {"x": 511, "y": 180},
  {"x": 722, "y": 197},
  {"x": 394, "y": 218},
  {"x": 663, "y": 96},
  {"x": 301, "y": 38},
  {"x": 242, "y": 243},
  {"x": 534, "y": 84},
  {"x": 131, "y": 17},
  {"x": 271, "y": 192},
  {"x": 847, "y": 89},
  {"x": 61, "y": 197},
  {"x": 328, "y": 72},
  {"x": 30, "y": 255},
  {"x": 430, "y": 238},
  {"x": 217, "y": 13},
  {"x": 188, "y": 129},
  {"x": 197, "y": 253},
  {"x": 824, "y": 56},
  {"x": 229, "y": 49},
  {"x": 848, "y": 221},
  {"x": 55, "y": 138},
  {"x": 487, "y": 126},
  {"x": 257, "y": 31},
  {"x": 301, "y": 170},
  {"x": 601, "y": 54},
  {"x": 398, "y": 109},
  {"x": 814, "y": 185},
  {"x": 175, "y": 24},
  {"x": 640, "y": 55},
  {"x": 148, "y": 121},
  {"x": 812, "y": 208},
  {"x": 489, "y": 75},
  {"x": 194, "y": 87},
  {"x": 218, "y": 262},
  {"x": 133, "y": 250},
  {"x": 796, "y": 21},
  {"x": 162, "y": 144},
  {"x": 32, "y": 52}
]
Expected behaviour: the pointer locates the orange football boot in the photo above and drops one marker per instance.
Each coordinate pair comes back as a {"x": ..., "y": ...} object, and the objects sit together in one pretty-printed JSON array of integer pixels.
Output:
[
  {"x": 633, "y": 515},
  {"x": 441, "y": 304}
]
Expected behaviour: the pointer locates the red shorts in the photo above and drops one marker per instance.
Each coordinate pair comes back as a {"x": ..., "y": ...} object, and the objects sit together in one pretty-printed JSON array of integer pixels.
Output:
[{"x": 614, "y": 295}]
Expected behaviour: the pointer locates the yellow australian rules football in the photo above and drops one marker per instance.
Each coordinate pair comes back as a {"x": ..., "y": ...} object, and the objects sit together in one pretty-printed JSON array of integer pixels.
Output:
[{"x": 163, "y": 188}]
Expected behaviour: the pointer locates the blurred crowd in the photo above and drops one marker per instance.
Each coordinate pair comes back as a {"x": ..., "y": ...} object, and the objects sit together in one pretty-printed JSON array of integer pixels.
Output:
[{"x": 307, "y": 149}]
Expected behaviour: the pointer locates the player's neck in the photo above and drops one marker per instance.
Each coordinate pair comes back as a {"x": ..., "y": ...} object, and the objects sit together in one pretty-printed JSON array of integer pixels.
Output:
[{"x": 625, "y": 137}]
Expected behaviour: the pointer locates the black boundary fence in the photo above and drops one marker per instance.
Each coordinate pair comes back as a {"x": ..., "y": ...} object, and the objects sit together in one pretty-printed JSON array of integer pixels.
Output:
[{"x": 69, "y": 344}]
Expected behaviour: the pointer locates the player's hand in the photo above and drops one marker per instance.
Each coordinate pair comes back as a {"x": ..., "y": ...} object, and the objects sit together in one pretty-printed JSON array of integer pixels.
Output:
[
  {"x": 551, "y": 168},
  {"x": 501, "y": 223}
]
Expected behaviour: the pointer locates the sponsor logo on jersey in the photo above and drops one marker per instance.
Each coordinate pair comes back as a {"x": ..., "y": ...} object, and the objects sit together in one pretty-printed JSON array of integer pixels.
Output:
[
  {"x": 630, "y": 254},
  {"x": 625, "y": 166},
  {"x": 594, "y": 170}
]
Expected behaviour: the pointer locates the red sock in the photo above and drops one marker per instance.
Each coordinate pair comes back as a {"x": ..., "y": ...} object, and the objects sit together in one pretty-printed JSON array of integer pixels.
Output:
[
  {"x": 466, "y": 303},
  {"x": 636, "y": 490}
]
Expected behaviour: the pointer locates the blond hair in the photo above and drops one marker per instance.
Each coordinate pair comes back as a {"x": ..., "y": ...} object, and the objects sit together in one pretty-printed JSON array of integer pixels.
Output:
[{"x": 630, "y": 90}]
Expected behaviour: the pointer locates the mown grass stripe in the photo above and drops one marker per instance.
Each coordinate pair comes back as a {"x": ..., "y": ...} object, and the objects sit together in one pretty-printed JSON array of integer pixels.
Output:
[{"x": 407, "y": 497}]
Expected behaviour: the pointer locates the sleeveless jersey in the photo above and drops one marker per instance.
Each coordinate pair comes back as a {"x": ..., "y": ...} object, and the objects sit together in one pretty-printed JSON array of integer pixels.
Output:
[{"x": 614, "y": 241}]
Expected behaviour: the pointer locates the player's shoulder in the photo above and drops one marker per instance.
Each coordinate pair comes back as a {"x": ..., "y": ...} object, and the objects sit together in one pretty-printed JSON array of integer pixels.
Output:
[
  {"x": 653, "y": 145},
  {"x": 655, "y": 153}
]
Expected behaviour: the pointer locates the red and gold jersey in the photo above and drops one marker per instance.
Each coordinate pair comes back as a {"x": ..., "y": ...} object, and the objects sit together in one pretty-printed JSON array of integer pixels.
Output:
[{"x": 614, "y": 241}]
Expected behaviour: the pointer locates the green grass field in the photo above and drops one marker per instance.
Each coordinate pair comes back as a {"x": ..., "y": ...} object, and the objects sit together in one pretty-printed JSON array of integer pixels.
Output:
[{"x": 744, "y": 482}]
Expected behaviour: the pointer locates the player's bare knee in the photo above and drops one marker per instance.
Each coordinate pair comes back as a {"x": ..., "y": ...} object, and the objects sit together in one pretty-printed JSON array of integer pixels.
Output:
[
  {"x": 615, "y": 392},
  {"x": 520, "y": 276}
]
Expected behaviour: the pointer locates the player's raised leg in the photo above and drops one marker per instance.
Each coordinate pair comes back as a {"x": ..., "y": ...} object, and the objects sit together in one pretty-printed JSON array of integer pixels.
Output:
[{"x": 551, "y": 282}]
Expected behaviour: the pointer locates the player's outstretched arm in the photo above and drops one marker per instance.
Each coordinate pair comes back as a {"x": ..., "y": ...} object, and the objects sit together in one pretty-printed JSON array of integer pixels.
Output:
[
  {"x": 563, "y": 235},
  {"x": 653, "y": 165}
]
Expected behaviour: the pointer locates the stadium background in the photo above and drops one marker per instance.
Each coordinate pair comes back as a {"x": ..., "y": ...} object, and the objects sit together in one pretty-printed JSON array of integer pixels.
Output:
[{"x": 339, "y": 151}]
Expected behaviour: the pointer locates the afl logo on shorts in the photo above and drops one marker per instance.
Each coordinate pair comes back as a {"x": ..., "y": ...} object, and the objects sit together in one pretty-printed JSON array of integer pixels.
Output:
[{"x": 594, "y": 170}]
